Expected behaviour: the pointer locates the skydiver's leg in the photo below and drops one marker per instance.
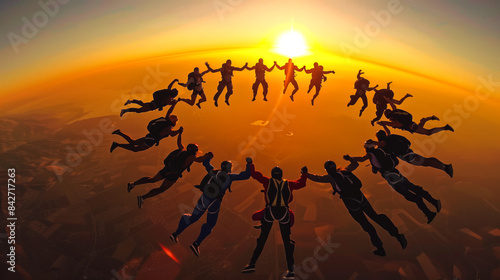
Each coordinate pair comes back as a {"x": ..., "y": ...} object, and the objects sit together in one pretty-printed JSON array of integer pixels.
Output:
[
  {"x": 229, "y": 92},
  {"x": 189, "y": 101},
  {"x": 206, "y": 228},
  {"x": 288, "y": 244},
  {"x": 255, "y": 87},
  {"x": 261, "y": 241},
  {"x": 360, "y": 217},
  {"x": 202, "y": 99},
  {"x": 365, "y": 104},
  {"x": 187, "y": 219},
  {"x": 154, "y": 192},
  {"x": 265, "y": 86},
  {"x": 220, "y": 88}
]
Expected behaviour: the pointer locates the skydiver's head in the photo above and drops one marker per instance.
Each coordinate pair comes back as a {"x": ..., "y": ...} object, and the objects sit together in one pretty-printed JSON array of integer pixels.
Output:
[
  {"x": 369, "y": 144},
  {"x": 192, "y": 148},
  {"x": 261, "y": 60},
  {"x": 228, "y": 62},
  {"x": 315, "y": 64},
  {"x": 173, "y": 119},
  {"x": 226, "y": 166},
  {"x": 320, "y": 68},
  {"x": 197, "y": 70},
  {"x": 381, "y": 135},
  {"x": 174, "y": 92},
  {"x": 290, "y": 60},
  {"x": 277, "y": 173},
  {"x": 330, "y": 167}
]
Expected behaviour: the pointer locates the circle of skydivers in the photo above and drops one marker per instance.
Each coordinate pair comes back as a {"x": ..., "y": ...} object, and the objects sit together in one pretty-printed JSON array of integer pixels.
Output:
[{"x": 384, "y": 155}]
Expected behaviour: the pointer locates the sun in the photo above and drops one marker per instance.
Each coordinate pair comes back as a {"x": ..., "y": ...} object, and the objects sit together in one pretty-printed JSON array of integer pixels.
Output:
[{"x": 291, "y": 44}]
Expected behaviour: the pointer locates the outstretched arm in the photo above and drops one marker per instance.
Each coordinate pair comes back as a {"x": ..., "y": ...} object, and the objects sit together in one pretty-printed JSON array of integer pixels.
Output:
[
  {"x": 208, "y": 166},
  {"x": 391, "y": 124},
  {"x": 210, "y": 68},
  {"x": 356, "y": 159},
  {"x": 241, "y": 68},
  {"x": 398, "y": 102},
  {"x": 172, "y": 83},
  {"x": 300, "y": 183},
  {"x": 329, "y": 72},
  {"x": 352, "y": 166},
  {"x": 308, "y": 71},
  {"x": 251, "y": 68},
  {"x": 319, "y": 178},
  {"x": 179, "y": 138},
  {"x": 372, "y": 88},
  {"x": 360, "y": 72},
  {"x": 269, "y": 69},
  {"x": 301, "y": 69},
  {"x": 279, "y": 67},
  {"x": 244, "y": 174},
  {"x": 204, "y": 157},
  {"x": 171, "y": 109},
  {"x": 258, "y": 176}
]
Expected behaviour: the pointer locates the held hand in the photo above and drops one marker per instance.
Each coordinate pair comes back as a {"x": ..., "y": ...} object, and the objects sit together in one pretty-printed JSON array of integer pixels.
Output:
[
  {"x": 181, "y": 130},
  {"x": 389, "y": 83},
  {"x": 303, "y": 170},
  {"x": 210, "y": 155},
  {"x": 249, "y": 160},
  {"x": 375, "y": 86},
  {"x": 347, "y": 157},
  {"x": 176, "y": 80},
  {"x": 409, "y": 95}
]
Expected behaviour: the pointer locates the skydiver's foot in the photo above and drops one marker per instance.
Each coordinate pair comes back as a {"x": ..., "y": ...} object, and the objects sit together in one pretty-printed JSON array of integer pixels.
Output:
[
  {"x": 431, "y": 217},
  {"x": 379, "y": 252},
  {"x": 289, "y": 275},
  {"x": 198, "y": 104},
  {"x": 114, "y": 145},
  {"x": 128, "y": 102},
  {"x": 312, "y": 102},
  {"x": 448, "y": 127},
  {"x": 174, "y": 238},
  {"x": 291, "y": 97},
  {"x": 249, "y": 268},
  {"x": 265, "y": 99},
  {"x": 122, "y": 112},
  {"x": 257, "y": 226},
  {"x": 402, "y": 240},
  {"x": 434, "y": 118},
  {"x": 130, "y": 186},
  {"x": 227, "y": 102},
  {"x": 195, "y": 248},
  {"x": 215, "y": 103},
  {"x": 253, "y": 99},
  {"x": 140, "y": 201},
  {"x": 437, "y": 204},
  {"x": 361, "y": 112},
  {"x": 449, "y": 170},
  {"x": 372, "y": 122},
  {"x": 116, "y": 132}
]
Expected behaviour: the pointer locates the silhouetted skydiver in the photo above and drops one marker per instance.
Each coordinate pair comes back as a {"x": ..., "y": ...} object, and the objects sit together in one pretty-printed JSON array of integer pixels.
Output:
[
  {"x": 175, "y": 163},
  {"x": 348, "y": 186},
  {"x": 290, "y": 69},
  {"x": 213, "y": 186},
  {"x": 386, "y": 164},
  {"x": 158, "y": 129},
  {"x": 318, "y": 76},
  {"x": 161, "y": 98},
  {"x": 403, "y": 120},
  {"x": 379, "y": 98},
  {"x": 362, "y": 85},
  {"x": 400, "y": 146},
  {"x": 260, "y": 77},
  {"x": 195, "y": 83},
  {"x": 278, "y": 195},
  {"x": 226, "y": 72}
]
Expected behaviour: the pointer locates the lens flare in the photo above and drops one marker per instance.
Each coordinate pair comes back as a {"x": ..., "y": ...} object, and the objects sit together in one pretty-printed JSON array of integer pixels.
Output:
[{"x": 169, "y": 253}]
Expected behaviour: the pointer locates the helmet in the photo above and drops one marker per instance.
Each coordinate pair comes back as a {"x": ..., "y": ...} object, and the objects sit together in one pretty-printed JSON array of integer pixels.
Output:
[
  {"x": 261, "y": 60},
  {"x": 173, "y": 119},
  {"x": 381, "y": 134},
  {"x": 315, "y": 64},
  {"x": 369, "y": 144},
  {"x": 226, "y": 166},
  {"x": 192, "y": 147},
  {"x": 277, "y": 173},
  {"x": 330, "y": 165}
]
